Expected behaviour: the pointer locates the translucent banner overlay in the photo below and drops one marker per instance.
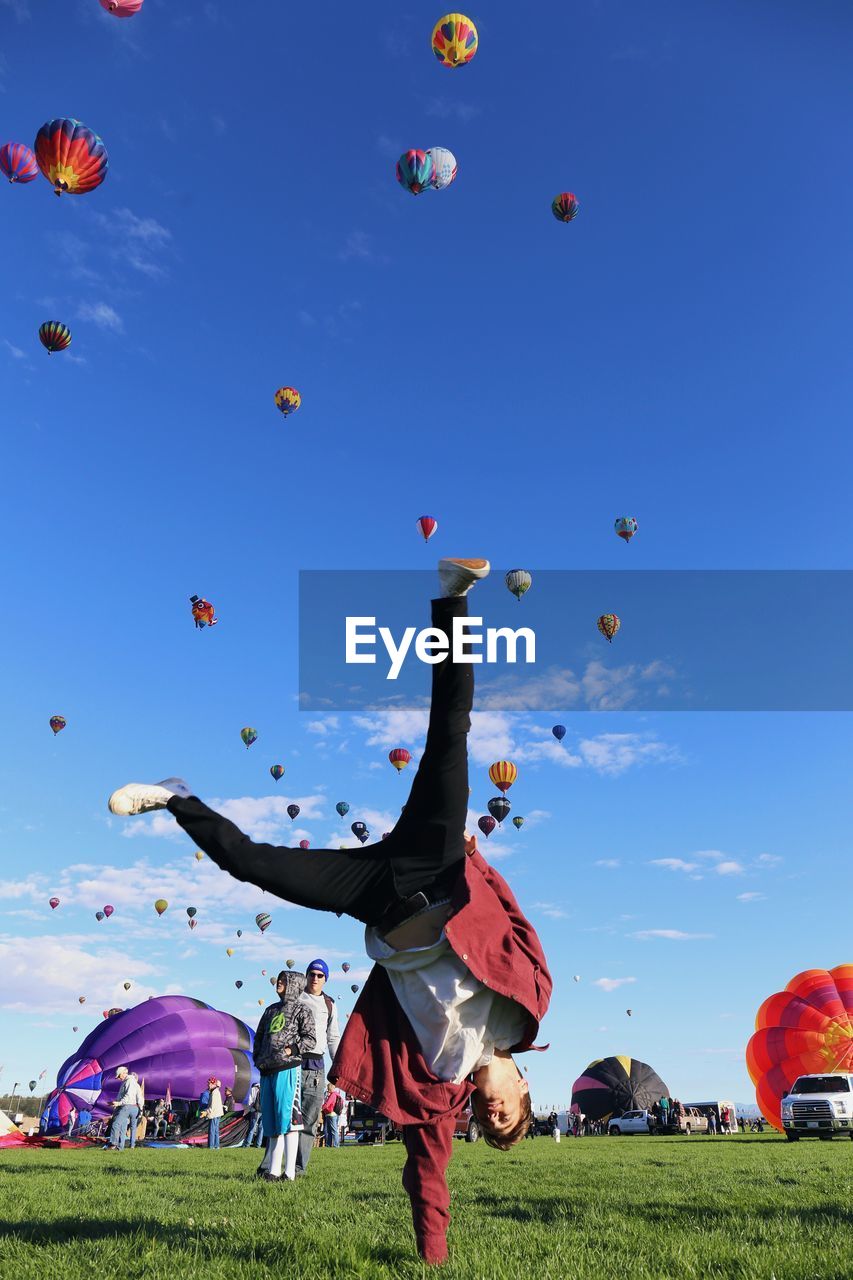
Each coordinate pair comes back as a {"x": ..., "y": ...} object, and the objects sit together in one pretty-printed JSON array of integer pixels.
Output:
[{"x": 692, "y": 640}]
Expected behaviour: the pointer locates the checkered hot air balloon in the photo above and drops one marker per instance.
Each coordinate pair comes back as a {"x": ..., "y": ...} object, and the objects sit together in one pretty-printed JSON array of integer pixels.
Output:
[
  {"x": 454, "y": 40},
  {"x": 565, "y": 206},
  {"x": 17, "y": 162},
  {"x": 415, "y": 170},
  {"x": 287, "y": 400},
  {"x": 54, "y": 336},
  {"x": 608, "y": 624},
  {"x": 71, "y": 156},
  {"x": 503, "y": 774}
]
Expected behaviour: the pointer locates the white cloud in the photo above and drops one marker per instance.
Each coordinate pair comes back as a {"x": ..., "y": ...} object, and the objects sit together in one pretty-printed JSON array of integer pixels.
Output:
[
  {"x": 101, "y": 314},
  {"x": 444, "y": 108},
  {"x": 358, "y": 246},
  {"x": 769, "y": 859},
  {"x": 612, "y": 984},
  {"x": 263, "y": 818},
  {"x": 610, "y": 863},
  {"x": 549, "y": 909},
  {"x": 750, "y": 897},
  {"x": 46, "y": 972},
  {"x": 613, "y": 753},
  {"x": 15, "y": 352},
  {"x": 674, "y": 864},
  {"x": 20, "y": 8},
  {"x": 323, "y": 727},
  {"x": 729, "y": 868},
  {"x": 671, "y": 935}
]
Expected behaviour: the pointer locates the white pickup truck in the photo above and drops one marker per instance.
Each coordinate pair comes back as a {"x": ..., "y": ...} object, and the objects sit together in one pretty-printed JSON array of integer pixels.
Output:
[
  {"x": 819, "y": 1107},
  {"x": 632, "y": 1122}
]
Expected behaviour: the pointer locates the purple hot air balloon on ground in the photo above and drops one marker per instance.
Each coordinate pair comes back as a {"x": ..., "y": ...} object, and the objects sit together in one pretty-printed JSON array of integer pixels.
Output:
[{"x": 169, "y": 1041}]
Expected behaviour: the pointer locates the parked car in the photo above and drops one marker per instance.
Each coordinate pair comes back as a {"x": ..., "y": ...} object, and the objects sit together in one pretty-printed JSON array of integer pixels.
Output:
[
  {"x": 691, "y": 1121},
  {"x": 631, "y": 1122},
  {"x": 818, "y": 1106},
  {"x": 466, "y": 1125}
]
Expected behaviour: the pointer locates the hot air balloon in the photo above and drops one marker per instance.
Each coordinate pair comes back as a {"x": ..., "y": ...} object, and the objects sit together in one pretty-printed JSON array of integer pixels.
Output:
[
  {"x": 304, "y": 844},
  {"x": 198, "y": 855},
  {"x": 54, "y": 336},
  {"x": 415, "y": 171},
  {"x": 290, "y": 963},
  {"x": 75, "y": 1028},
  {"x": 272, "y": 982},
  {"x": 576, "y": 977},
  {"x": 171, "y": 1042},
  {"x": 239, "y": 933},
  {"x": 499, "y": 808},
  {"x": 287, "y": 400},
  {"x": 192, "y": 911},
  {"x": 454, "y": 40},
  {"x": 54, "y": 903},
  {"x": 565, "y": 206},
  {"x": 17, "y": 162},
  {"x": 518, "y": 581},
  {"x": 503, "y": 774},
  {"x": 71, "y": 156},
  {"x": 626, "y": 527},
  {"x": 261, "y": 1003},
  {"x": 249, "y": 736},
  {"x": 610, "y": 1086},
  {"x": 399, "y": 757},
  {"x": 57, "y": 724},
  {"x": 160, "y": 906},
  {"x": 342, "y": 808},
  {"x": 293, "y": 812},
  {"x": 354, "y": 988},
  {"x": 518, "y": 823},
  {"x": 263, "y": 920},
  {"x": 108, "y": 910},
  {"x": 277, "y": 771},
  {"x": 559, "y": 732},
  {"x": 99, "y": 915},
  {"x": 192, "y": 923},
  {"x": 358, "y": 829},
  {"x": 346, "y": 966},
  {"x": 807, "y": 1029},
  {"x": 203, "y": 613},
  {"x": 229, "y": 951},
  {"x": 127, "y": 985},
  {"x": 426, "y": 526},
  {"x": 81, "y": 999},
  {"x": 608, "y": 624},
  {"x": 444, "y": 167},
  {"x": 33, "y": 1084},
  {"x": 486, "y": 825},
  {"x": 630, "y": 1012},
  {"x": 238, "y": 984},
  {"x": 263, "y": 973},
  {"x": 122, "y": 8}
]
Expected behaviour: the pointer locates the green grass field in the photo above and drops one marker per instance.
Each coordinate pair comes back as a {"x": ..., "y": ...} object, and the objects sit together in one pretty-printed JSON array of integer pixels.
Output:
[{"x": 606, "y": 1209}]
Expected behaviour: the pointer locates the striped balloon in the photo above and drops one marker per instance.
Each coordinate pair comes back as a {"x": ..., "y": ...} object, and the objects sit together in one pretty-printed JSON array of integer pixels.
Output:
[
  {"x": 415, "y": 171},
  {"x": 54, "y": 336},
  {"x": 71, "y": 156},
  {"x": 263, "y": 920},
  {"x": 503, "y": 774},
  {"x": 287, "y": 400},
  {"x": 277, "y": 771},
  {"x": 565, "y": 206},
  {"x": 399, "y": 757},
  {"x": 427, "y": 526},
  {"x": 519, "y": 582},
  {"x": 18, "y": 163}
]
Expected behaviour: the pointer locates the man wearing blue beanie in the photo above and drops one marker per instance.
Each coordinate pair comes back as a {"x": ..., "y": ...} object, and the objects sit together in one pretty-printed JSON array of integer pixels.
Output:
[{"x": 313, "y": 1064}]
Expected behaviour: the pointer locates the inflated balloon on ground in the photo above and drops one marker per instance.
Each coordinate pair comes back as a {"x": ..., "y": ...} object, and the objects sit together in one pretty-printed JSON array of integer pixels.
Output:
[{"x": 610, "y": 1086}]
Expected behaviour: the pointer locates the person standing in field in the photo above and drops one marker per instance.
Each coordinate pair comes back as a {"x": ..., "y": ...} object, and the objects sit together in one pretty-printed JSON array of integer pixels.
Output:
[
  {"x": 127, "y": 1103},
  {"x": 313, "y": 1076},
  {"x": 255, "y": 1131},
  {"x": 72, "y": 1120},
  {"x": 712, "y": 1123},
  {"x": 333, "y": 1105},
  {"x": 213, "y": 1112},
  {"x": 286, "y": 1032}
]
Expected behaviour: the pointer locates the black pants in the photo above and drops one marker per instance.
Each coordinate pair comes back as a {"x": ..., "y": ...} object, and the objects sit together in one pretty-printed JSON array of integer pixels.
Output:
[{"x": 426, "y": 846}]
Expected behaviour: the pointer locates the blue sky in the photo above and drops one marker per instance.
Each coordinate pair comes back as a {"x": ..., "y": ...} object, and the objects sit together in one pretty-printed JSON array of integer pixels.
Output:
[{"x": 680, "y": 352}]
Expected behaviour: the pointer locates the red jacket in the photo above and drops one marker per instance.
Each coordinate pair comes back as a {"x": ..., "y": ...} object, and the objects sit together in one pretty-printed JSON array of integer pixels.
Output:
[{"x": 379, "y": 1059}]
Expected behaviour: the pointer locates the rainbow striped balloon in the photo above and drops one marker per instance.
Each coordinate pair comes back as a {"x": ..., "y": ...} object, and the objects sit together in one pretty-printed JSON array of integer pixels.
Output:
[
  {"x": 72, "y": 157},
  {"x": 54, "y": 336},
  {"x": 18, "y": 163}
]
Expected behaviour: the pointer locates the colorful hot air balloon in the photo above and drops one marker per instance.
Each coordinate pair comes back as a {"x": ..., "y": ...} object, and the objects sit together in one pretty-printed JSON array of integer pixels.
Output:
[
  {"x": 192, "y": 912},
  {"x": 304, "y": 844},
  {"x": 399, "y": 757},
  {"x": 160, "y": 906},
  {"x": 503, "y": 774},
  {"x": 444, "y": 167},
  {"x": 518, "y": 823},
  {"x": 342, "y": 807},
  {"x": 99, "y": 916},
  {"x": 17, "y": 162},
  {"x": 126, "y": 985},
  {"x": 415, "y": 171},
  {"x": 54, "y": 903},
  {"x": 108, "y": 910},
  {"x": 608, "y": 624},
  {"x": 499, "y": 808},
  {"x": 518, "y": 581},
  {"x": 626, "y": 527},
  {"x": 290, "y": 963},
  {"x": 122, "y": 8},
  {"x": 173, "y": 1043},
  {"x": 71, "y": 156},
  {"x": 57, "y": 724},
  {"x": 54, "y": 336},
  {"x": 346, "y": 966},
  {"x": 486, "y": 825},
  {"x": 203, "y": 613},
  {"x": 249, "y": 736},
  {"x": 565, "y": 206},
  {"x": 611, "y": 1086},
  {"x": 229, "y": 951},
  {"x": 277, "y": 771},
  {"x": 198, "y": 855},
  {"x": 426, "y": 526},
  {"x": 454, "y": 40},
  {"x": 238, "y": 984},
  {"x": 287, "y": 400},
  {"x": 263, "y": 920},
  {"x": 354, "y": 988},
  {"x": 559, "y": 732},
  {"x": 807, "y": 1029}
]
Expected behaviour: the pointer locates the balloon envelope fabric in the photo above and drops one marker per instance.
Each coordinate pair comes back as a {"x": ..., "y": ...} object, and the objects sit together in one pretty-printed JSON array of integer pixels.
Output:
[{"x": 611, "y": 1086}]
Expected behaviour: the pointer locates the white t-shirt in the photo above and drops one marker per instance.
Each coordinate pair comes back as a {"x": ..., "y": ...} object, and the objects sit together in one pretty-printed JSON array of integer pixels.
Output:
[{"x": 458, "y": 1021}]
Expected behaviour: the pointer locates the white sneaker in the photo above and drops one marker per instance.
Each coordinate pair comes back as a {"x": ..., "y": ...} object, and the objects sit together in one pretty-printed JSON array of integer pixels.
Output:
[
  {"x": 457, "y": 577},
  {"x": 143, "y": 797}
]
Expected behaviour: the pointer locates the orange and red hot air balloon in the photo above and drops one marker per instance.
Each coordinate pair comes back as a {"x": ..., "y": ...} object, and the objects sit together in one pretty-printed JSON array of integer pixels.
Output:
[
  {"x": 807, "y": 1029},
  {"x": 71, "y": 156}
]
